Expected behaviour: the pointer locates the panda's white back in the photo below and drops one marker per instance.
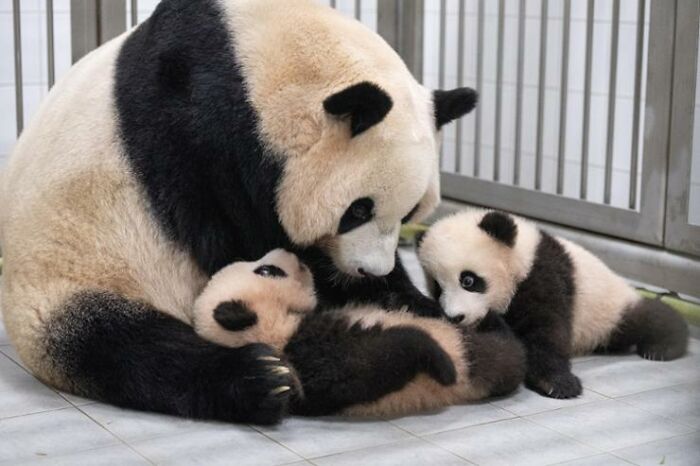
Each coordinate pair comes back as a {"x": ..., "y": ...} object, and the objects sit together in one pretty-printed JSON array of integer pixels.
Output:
[{"x": 600, "y": 300}]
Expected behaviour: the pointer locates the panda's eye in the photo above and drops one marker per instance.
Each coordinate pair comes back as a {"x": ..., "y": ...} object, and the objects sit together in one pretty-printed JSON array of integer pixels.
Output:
[
  {"x": 270, "y": 271},
  {"x": 472, "y": 282},
  {"x": 359, "y": 213}
]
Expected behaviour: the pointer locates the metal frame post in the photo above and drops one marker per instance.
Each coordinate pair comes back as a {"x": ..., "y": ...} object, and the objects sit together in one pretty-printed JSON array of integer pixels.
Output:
[
  {"x": 400, "y": 23},
  {"x": 94, "y": 22}
]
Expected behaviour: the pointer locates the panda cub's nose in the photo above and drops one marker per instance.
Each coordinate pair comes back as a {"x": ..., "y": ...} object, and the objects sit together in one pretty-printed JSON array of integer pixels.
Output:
[{"x": 457, "y": 319}]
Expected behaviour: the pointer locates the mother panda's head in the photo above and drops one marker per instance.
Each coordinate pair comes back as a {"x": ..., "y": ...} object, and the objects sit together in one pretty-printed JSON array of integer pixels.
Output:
[{"x": 356, "y": 134}]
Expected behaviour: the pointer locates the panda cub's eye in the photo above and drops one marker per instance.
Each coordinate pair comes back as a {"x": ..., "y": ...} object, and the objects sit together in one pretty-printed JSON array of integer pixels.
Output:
[
  {"x": 270, "y": 271},
  {"x": 472, "y": 282}
]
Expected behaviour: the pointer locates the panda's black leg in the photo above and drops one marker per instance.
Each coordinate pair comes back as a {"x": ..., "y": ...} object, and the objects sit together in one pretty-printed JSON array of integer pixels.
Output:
[
  {"x": 339, "y": 367},
  {"x": 128, "y": 354},
  {"x": 658, "y": 332},
  {"x": 548, "y": 365}
]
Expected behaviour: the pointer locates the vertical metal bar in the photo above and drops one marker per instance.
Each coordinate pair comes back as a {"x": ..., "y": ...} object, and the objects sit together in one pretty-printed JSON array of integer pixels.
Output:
[
  {"x": 541, "y": 93},
  {"x": 460, "y": 83},
  {"x": 401, "y": 25},
  {"x": 134, "y": 12},
  {"x": 112, "y": 19},
  {"x": 333, "y": 3},
  {"x": 19, "y": 97},
  {"x": 564, "y": 94},
  {"x": 84, "y": 28},
  {"x": 442, "y": 57},
  {"x": 499, "y": 92},
  {"x": 519, "y": 93},
  {"x": 50, "y": 52},
  {"x": 590, "y": 18},
  {"x": 634, "y": 156},
  {"x": 358, "y": 10},
  {"x": 479, "y": 86},
  {"x": 612, "y": 96}
]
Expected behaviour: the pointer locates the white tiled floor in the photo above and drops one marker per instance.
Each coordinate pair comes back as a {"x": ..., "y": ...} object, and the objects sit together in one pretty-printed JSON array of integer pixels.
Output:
[{"x": 632, "y": 412}]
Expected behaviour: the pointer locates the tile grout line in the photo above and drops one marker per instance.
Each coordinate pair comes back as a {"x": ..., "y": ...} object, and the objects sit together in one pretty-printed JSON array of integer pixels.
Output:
[
  {"x": 123, "y": 442},
  {"x": 255, "y": 429}
]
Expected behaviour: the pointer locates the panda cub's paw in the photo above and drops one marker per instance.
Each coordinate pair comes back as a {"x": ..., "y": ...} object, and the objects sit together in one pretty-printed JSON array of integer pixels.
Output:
[{"x": 560, "y": 385}]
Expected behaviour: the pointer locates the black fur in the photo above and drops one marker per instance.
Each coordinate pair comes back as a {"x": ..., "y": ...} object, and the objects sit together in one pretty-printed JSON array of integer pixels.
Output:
[
  {"x": 657, "y": 331},
  {"x": 365, "y": 103},
  {"x": 339, "y": 366},
  {"x": 497, "y": 360},
  {"x": 500, "y": 227},
  {"x": 453, "y": 104},
  {"x": 235, "y": 316},
  {"x": 541, "y": 315},
  {"x": 129, "y": 354}
]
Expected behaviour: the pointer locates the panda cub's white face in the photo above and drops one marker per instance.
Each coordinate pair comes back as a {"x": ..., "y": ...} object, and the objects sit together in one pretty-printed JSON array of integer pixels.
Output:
[
  {"x": 469, "y": 270},
  {"x": 256, "y": 302}
]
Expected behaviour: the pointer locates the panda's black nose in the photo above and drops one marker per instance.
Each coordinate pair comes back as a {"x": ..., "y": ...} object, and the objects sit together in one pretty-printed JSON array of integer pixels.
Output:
[{"x": 457, "y": 319}]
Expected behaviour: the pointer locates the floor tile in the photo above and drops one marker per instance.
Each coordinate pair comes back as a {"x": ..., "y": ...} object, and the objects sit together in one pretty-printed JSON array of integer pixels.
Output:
[
  {"x": 609, "y": 424},
  {"x": 605, "y": 459},
  {"x": 133, "y": 426},
  {"x": 117, "y": 455},
  {"x": 510, "y": 443},
  {"x": 51, "y": 433},
  {"x": 4, "y": 339},
  {"x": 412, "y": 452},
  {"x": 11, "y": 352},
  {"x": 680, "y": 403},
  {"x": 616, "y": 376},
  {"x": 239, "y": 445},
  {"x": 324, "y": 436},
  {"x": 525, "y": 402},
  {"x": 21, "y": 393},
  {"x": 677, "y": 451},
  {"x": 454, "y": 417}
]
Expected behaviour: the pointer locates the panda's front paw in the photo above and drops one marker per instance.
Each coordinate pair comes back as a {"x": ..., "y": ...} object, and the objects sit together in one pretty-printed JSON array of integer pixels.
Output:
[
  {"x": 559, "y": 385},
  {"x": 264, "y": 386}
]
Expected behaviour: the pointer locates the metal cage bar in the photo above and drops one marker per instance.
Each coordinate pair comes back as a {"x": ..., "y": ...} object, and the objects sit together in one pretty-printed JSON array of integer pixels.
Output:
[
  {"x": 542, "y": 89},
  {"x": 134, "y": 12},
  {"x": 442, "y": 57},
  {"x": 460, "y": 82},
  {"x": 479, "y": 85},
  {"x": 499, "y": 91},
  {"x": 612, "y": 96},
  {"x": 50, "y": 49},
  {"x": 588, "y": 74},
  {"x": 19, "y": 84},
  {"x": 634, "y": 155},
  {"x": 358, "y": 10},
  {"x": 517, "y": 155},
  {"x": 563, "y": 96}
]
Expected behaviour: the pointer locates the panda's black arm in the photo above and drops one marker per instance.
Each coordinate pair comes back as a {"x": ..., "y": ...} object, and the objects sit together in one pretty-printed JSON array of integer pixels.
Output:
[{"x": 392, "y": 292}]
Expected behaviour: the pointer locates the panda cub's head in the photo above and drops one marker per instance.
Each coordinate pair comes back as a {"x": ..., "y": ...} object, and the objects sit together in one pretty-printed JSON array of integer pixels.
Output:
[
  {"x": 256, "y": 302},
  {"x": 474, "y": 260}
]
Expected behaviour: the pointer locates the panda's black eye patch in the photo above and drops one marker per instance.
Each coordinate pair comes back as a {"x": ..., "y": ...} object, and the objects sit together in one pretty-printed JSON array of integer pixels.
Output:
[
  {"x": 410, "y": 215},
  {"x": 270, "y": 271},
  {"x": 472, "y": 282},
  {"x": 360, "y": 212}
]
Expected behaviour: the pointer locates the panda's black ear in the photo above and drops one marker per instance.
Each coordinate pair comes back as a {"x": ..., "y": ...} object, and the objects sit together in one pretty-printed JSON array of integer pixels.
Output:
[
  {"x": 500, "y": 227},
  {"x": 450, "y": 105},
  {"x": 365, "y": 104},
  {"x": 235, "y": 316}
]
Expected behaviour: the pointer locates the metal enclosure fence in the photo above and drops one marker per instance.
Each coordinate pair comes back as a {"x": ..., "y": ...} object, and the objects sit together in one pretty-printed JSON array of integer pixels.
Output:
[{"x": 589, "y": 116}]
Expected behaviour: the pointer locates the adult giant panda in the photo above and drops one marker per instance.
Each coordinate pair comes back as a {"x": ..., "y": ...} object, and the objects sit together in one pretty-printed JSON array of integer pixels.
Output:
[{"x": 217, "y": 130}]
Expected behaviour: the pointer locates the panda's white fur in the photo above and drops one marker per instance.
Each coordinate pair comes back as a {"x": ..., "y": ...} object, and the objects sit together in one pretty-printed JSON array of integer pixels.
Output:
[
  {"x": 558, "y": 297},
  {"x": 281, "y": 303}
]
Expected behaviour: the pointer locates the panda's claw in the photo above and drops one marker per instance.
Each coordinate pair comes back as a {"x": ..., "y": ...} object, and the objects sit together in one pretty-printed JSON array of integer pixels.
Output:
[
  {"x": 280, "y": 370},
  {"x": 280, "y": 390},
  {"x": 269, "y": 358}
]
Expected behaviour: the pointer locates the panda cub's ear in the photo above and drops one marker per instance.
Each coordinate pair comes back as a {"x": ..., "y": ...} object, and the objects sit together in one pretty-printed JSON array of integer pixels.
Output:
[
  {"x": 500, "y": 227},
  {"x": 235, "y": 316},
  {"x": 450, "y": 105},
  {"x": 365, "y": 104}
]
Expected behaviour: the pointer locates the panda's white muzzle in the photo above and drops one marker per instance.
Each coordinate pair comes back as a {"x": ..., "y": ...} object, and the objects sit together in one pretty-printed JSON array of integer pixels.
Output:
[{"x": 366, "y": 250}]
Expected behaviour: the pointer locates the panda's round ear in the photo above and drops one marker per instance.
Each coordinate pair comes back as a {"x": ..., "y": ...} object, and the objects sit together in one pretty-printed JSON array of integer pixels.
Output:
[
  {"x": 365, "y": 104},
  {"x": 450, "y": 105},
  {"x": 501, "y": 227},
  {"x": 235, "y": 315}
]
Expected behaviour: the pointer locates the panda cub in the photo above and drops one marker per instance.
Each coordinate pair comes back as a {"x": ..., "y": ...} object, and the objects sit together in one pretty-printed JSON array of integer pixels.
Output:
[
  {"x": 557, "y": 297},
  {"x": 344, "y": 359}
]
